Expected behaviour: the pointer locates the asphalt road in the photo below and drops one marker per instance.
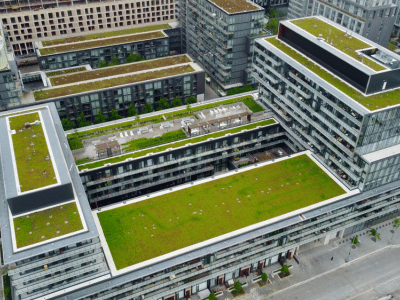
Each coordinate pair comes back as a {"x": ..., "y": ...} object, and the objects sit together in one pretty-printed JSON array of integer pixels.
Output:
[{"x": 373, "y": 277}]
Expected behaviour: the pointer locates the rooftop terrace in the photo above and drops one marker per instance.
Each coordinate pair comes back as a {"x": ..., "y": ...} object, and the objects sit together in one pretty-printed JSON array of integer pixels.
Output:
[
  {"x": 34, "y": 165},
  {"x": 115, "y": 76},
  {"x": 153, "y": 227},
  {"x": 101, "y": 42},
  {"x": 372, "y": 102},
  {"x": 161, "y": 145},
  {"x": 103, "y": 35},
  {"x": 47, "y": 224},
  {"x": 338, "y": 39},
  {"x": 235, "y": 6}
]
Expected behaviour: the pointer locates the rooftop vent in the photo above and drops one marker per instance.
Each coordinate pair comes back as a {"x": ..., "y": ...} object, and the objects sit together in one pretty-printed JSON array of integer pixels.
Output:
[{"x": 27, "y": 125}]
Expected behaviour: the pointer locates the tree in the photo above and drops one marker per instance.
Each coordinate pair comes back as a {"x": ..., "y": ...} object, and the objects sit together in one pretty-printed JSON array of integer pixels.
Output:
[
  {"x": 396, "y": 224},
  {"x": 176, "y": 102},
  {"x": 271, "y": 14},
  {"x": 114, "y": 115},
  {"x": 273, "y": 26},
  {"x": 147, "y": 108},
  {"x": 354, "y": 242},
  {"x": 162, "y": 104},
  {"x": 114, "y": 61},
  {"x": 238, "y": 287},
  {"x": 189, "y": 108},
  {"x": 248, "y": 88},
  {"x": 285, "y": 269},
  {"x": 192, "y": 100},
  {"x": 131, "y": 111},
  {"x": 264, "y": 277},
  {"x": 212, "y": 296},
  {"x": 132, "y": 57},
  {"x": 81, "y": 121},
  {"x": 67, "y": 124},
  {"x": 375, "y": 234},
  {"x": 102, "y": 64},
  {"x": 100, "y": 118}
]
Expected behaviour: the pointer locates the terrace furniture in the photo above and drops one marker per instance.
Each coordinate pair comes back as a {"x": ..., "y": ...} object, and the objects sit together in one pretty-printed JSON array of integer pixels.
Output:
[
  {"x": 150, "y": 130},
  {"x": 131, "y": 133},
  {"x": 121, "y": 135},
  {"x": 126, "y": 134}
]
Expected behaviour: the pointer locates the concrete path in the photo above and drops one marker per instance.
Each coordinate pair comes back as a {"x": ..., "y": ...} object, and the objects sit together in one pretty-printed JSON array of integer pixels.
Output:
[{"x": 373, "y": 271}]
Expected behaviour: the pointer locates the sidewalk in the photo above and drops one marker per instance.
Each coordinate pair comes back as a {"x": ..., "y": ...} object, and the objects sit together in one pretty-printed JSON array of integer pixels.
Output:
[{"x": 320, "y": 261}]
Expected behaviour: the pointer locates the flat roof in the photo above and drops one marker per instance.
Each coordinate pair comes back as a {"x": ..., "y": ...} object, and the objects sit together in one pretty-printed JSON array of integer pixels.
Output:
[
  {"x": 31, "y": 152},
  {"x": 121, "y": 75},
  {"x": 101, "y": 35},
  {"x": 236, "y": 6},
  {"x": 147, "y": 228},
  {"x": 177, "y": 144},
  {"x": 339, "y": 39},
  {"x": 370, "y": 102},
  {"x": 118, "y": 70},
  {"x": 101, "y": 43},
  {"x": 382, "y": 154},
  {"x": 47, "y": 224}
]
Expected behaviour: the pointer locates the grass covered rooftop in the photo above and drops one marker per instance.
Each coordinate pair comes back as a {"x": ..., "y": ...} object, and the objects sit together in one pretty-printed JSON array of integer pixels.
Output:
[
  {"x": 110, "y": 82},
  {"x": 372, "y": 102},
  {"x": 34, "y": 166},
  {"x": 102, "y": 35},
  {"x": 235, "y": 6},
  {"x": 47, "y": 224},
  {"x": 159, "y": 225},
  {"x": 160, "y": 140},
  {"x": 118, "y": 70},
  {"x": 101, "y": 43},
  {"x": 339, "y": 39}
]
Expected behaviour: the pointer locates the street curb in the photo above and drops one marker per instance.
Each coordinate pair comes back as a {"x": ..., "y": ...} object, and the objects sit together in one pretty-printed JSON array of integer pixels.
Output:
[{"x": 337, "y": 268}]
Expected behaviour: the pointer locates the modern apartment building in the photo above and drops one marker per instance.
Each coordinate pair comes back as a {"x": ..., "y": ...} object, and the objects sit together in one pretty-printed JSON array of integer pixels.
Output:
[
  {"x": 118, "y": 87},
  {"x": 219, "y": 35},
  {"x": 29, "y": 21},
  {"x": 371, "y": 19},
  {"x": 273, "y": 4},
  {"x": 150, "y": 42},
  {"x": 339, "y": 93},
  {"x": 49, "y": 240},
  {"x": 10, "y": 78}
]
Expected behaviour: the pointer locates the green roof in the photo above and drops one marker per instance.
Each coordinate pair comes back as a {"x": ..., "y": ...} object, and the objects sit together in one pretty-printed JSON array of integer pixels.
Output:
[
  {"x": 47, "y": 224},
  {"x": 174, "y": 145},
  {"x": 235, "y": 6},
  {"x": 372, "y": 102},
  {"x": 338, "y": 39},
  {"x": 118, "y": 70},
  {"x": 34, "y": 165},
  {"x": 101, "y": 43},
  {"x": 110, "y": 82},
  {"x": 103, "y": 35},
  {"x": 64, "y": 72},
  {"x": 159, "y": 225}
]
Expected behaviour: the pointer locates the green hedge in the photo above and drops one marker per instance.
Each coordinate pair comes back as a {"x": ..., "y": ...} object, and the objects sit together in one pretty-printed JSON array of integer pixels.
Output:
[
  {"x": 75, "y": 143},
  {"x": 146, "y": 143},
  {"x": 253, "y": 105}
]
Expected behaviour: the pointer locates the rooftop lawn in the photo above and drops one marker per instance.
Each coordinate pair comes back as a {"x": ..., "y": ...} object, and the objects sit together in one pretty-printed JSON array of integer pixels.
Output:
[
  {"x": 47, "y": 224},
  {"x": 106, "y": 83},
  {"x": 183, "y": 112},
  {"x": 102, "y": 35},
  {"x": 102, "y": 43},
  {"x": 372, "y": 102},
  {"x": 235, "y": 6},
  {"x": 341, "y": 42},
  {"x": 159, "y": 225},
  {"x": 174, "y": 145},
  {"x": 34, "y": 166},
  {"x": 252, "y": 105},
  {"x": 118, "y": 70},
  {"x": 63, "y": 72}
]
